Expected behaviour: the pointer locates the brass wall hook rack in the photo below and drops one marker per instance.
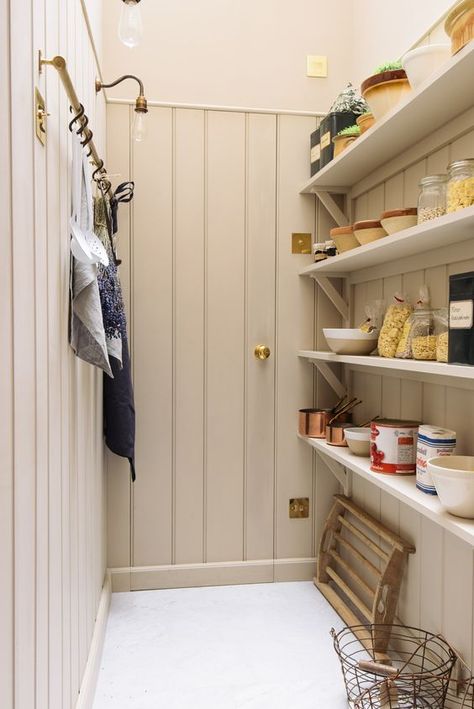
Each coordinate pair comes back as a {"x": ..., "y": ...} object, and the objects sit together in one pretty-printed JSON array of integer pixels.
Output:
[{"x": 80, "y": 119}]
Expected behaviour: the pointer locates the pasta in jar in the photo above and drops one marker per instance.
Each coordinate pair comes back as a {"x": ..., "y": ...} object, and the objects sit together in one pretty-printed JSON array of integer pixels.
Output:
[{"x": 395, "y": 318}]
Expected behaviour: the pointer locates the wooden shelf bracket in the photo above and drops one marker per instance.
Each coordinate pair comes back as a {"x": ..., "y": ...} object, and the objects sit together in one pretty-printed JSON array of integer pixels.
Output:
[
  {"x": 342, "y": 474},
  {"x": 332, "y": 207}
]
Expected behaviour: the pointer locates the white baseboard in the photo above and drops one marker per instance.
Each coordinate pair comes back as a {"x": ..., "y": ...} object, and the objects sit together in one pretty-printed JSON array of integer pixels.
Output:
[
  {"x": 85, "y": 699},
  {"x": 143, "y": 578}
]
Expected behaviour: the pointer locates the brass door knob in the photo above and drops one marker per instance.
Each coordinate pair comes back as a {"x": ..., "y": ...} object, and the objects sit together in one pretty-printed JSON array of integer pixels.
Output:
[{"x": 262, "y": 352}]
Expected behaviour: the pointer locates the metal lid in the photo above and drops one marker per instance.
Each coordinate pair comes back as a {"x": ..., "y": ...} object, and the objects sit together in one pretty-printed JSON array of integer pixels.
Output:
[
  {"x": 433, "y": 180},
  {"x": 468, "y": 162}
]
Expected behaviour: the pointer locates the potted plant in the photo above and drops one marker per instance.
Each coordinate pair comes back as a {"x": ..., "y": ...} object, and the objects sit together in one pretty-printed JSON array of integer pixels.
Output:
[
  {"x": 384, "y": 89},
  {"x": 344, "y": 138}
]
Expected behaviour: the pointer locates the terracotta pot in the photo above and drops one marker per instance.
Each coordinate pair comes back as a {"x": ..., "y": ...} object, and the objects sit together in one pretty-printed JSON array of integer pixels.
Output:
[
  {"x": 385, "y": 90},
  {"x": 365, "y": 122},
  {"x": 341, "y": 142}
]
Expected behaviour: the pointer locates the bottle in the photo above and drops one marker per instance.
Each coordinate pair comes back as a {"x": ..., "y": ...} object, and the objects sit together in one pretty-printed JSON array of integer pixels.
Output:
[
  {"x": 330, "y": 248},
  {"x": 319, "y": 251}
]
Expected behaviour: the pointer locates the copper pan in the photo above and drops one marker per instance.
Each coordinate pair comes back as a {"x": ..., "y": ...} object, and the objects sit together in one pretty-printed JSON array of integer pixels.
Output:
[
  {"x": 335, "y": 433},
  {"x": 312, "y": 422}
]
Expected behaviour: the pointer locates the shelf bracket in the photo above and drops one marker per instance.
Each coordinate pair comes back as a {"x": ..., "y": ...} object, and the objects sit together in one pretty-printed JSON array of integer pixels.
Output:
[
  {"x": 334, "y": 210},
  {"x": 330, "y": 377},
  {"x": 334, "y": 296},
  {"x": 342, "y": 474}
]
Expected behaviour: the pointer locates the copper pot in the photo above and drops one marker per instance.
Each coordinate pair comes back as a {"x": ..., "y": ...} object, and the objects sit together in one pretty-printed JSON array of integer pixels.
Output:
[
  {"x": 335, "y": 433},
  {"x": 312, "y": 422}
]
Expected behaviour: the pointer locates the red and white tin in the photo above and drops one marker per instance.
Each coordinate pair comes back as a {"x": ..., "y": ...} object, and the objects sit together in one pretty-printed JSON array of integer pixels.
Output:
[{"x": 393, "y": 446}]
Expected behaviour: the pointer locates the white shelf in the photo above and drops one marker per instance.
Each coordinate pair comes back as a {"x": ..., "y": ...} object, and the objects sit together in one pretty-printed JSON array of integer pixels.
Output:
[
  {"x": 445, "y": 95},
  {"x": 402, "y": 487},
  {"x": 444, "y": 231},
  {"x": 439, "y": 369}
]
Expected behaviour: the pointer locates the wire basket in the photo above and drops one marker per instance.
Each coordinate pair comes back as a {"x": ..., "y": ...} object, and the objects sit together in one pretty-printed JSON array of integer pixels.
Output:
[
  {"x": 404, "y": 692},
  {"x": 415, "y": 666}
]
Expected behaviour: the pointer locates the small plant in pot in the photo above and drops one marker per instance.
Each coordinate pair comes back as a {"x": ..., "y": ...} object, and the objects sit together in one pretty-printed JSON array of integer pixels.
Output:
[
  {"x": 344, "y": 138},
  {"x": 385, "y": 88}
]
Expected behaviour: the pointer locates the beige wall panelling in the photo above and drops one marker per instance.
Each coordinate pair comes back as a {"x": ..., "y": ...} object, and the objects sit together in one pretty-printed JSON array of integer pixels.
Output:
[
  {"x": 226, "y": 142},
  {"x": 295, "y": 317},
  {"x": 430, "y": 549},
  {"x": 458, "y": 593},
  {"x": 152, "y": 257},
  {"x": 6, "y": 388},
  {"x": 189, "y": 289},
  {"x": 259, "y": 435},
  {"x": 118, "y": 470},
  {"x": 24, "y": 349}
]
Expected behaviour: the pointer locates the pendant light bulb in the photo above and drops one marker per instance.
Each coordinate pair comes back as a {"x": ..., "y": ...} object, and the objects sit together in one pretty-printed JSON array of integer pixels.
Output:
[
  {"x": 139, "y": 128},
  {"x": 131, "y": 25}
]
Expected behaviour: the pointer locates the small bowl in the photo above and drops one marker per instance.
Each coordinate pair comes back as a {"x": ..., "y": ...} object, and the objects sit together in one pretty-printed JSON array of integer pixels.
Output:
[
  {"x": 399, "y": 219},
  {"x": 421, "y": 62},
  {"x": 358, "y": 440},
  {"x": 453, "y": 478},
  {"x": 350, "y": 341},
  {"x": 368, "y": 230},
  {"x": 344, "y": 238}
]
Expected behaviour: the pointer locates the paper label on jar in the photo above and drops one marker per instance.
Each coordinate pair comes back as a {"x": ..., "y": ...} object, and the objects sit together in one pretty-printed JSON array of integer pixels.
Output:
[
  {"x": 315, "y": 153},
  {"x": 461, "y": 314},
  {"x": 325, "y": 140}
]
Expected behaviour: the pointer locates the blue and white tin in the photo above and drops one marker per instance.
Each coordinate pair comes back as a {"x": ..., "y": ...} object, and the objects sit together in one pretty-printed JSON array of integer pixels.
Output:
[{"x": 432, "y": 442}]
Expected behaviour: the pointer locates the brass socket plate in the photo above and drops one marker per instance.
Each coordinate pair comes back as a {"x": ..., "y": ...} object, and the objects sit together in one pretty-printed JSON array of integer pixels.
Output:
[
  {"x": 299, "y": 507},
  {"x": 40, "y": 117},
  {"x": 301, "y": 243}
]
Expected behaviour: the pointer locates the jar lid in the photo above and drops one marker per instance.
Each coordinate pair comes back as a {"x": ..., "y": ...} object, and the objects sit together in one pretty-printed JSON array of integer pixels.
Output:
[
  {"x": 432, "y": 180},
  {"x": 341, "y": 230},
  {"x": 410, "y": 211},
  {"x": 319, "y": 246},
  {"x": 468, "y": 162},
  {"x": 367, "y": 224},
  {"x": 329, "y": 244}
]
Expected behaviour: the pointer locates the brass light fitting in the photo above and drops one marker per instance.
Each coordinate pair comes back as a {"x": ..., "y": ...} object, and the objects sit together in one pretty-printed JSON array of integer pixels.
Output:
[
  {"x": 141, "y": 107},
  {"x": 140, "y": 103}
]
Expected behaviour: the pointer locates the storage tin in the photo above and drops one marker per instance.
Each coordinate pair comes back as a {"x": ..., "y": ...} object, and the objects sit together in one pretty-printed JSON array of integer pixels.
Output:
[
  {"x": 329, "y": 128},
  {"x": 393, "y": 446},
  {"x": 315, "y": 152},
  {"x": 432, "y": 442}
]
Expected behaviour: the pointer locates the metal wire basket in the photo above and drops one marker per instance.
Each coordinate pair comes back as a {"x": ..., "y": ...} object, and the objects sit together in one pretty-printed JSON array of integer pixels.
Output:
[{"x": 413, "y": 671}]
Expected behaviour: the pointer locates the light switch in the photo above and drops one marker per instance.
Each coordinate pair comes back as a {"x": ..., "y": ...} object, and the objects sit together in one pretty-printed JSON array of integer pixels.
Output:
[{"x": 316, "y": 66}]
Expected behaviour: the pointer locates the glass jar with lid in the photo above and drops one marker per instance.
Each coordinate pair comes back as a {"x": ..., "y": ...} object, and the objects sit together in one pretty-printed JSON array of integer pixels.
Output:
[
  {"x": 460, "y": 185},
  {"x": 432, "y": 199},
  {"x": 423, "y": 339}
]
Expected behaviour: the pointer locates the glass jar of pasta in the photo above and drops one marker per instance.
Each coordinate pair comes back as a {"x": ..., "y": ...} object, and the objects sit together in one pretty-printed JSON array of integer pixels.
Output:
[
  {"x": 423, "y": 339},
  {"x": 460, "y": 185}
]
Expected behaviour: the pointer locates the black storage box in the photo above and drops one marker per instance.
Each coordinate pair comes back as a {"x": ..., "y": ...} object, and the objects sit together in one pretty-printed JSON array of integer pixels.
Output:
[
  {"x": 461, "y": 318},
  {"x": 315, "y": 152},
  {"x": 329, "y": 128}
]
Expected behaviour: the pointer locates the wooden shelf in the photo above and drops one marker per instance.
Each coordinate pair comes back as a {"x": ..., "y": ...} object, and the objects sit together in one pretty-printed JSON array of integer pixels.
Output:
[
  {"x": 401, "y": 487},
  {"x": 444, "y": 231},
  {"x": 402, "y": 366},
  {"x": 442, "y": 97}
]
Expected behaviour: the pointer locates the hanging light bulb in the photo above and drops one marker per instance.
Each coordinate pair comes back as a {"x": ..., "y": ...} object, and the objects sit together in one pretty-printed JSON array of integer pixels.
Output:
[
  {"x": 139, "y": 128},
  {"x": 130, "y": 26},
  {"x": 141, "y": 107}
]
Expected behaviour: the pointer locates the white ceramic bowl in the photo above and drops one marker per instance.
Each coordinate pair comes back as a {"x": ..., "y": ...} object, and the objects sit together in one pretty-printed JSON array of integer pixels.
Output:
[
  {"x": 358, "y": 440},
  {"x": 453, "y": 478},
  {"x": 350, "y": 341},
  {"x": 421, "y": 62}
]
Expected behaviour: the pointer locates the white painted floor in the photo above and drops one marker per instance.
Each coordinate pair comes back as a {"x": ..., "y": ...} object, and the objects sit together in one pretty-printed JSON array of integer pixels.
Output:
[{"x": 264, "y": 646}]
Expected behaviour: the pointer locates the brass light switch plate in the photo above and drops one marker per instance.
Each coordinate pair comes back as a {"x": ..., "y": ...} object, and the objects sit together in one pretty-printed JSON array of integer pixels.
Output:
[
  {"x": 40, "y": 117},
  {"x": 299, "y": 507},
  {"x": 301, "y": 243}
]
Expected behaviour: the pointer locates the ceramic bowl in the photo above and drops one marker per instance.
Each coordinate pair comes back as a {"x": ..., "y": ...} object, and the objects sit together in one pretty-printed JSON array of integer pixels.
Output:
[
  {"x": 358, "y": 440},
  {"x": 365, "y": 121},
  {"x": 399, "y": 219},
  {"x": 453, "y": 478},
  {"x": 368, "y": 230},
  {"x": 421, "y": 62},
  {"x": 350, "y": 341},
  {"x": 344, "y": 238}
]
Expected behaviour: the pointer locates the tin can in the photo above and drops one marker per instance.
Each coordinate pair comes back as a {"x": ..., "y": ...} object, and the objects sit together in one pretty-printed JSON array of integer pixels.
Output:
[
  {"x": 393, "y": 446},
  {"x": 432, "y": 442}
]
